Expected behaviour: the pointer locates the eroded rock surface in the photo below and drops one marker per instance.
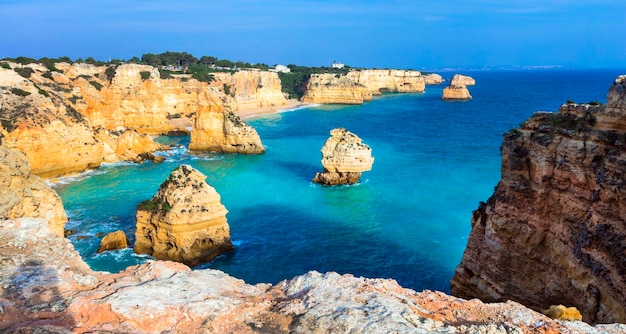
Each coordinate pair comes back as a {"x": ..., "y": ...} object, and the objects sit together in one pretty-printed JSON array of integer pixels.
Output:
[
  {"x": 462, "y": 80},
  {"x": 344, "y": 158},
  {"x": 112, "y": 241},
  {"x": 553, "y": 231},
  {"x": 46, "y": 287},
  {"x": 23, "y": 194},
  {"x": 184, "y": 222},
  {"x": 335, "y": 89}
]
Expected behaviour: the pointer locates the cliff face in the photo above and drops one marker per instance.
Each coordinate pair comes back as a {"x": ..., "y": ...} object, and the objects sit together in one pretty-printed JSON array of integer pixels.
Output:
[
  {"x": 462, "y": 80},
  {"x": 46, "y": 287},
  {"x": 75, "y": 118},
  {"x": 250, "y": 89},
  {"x": 553, "y": 232},
  {"x": 25, "y": 195},
  {"x": 379, "y": 81},
  {"x": 335, "y": 89},
  {"x": 357, "y": 87},
  {"x": 184, "y": 222}
]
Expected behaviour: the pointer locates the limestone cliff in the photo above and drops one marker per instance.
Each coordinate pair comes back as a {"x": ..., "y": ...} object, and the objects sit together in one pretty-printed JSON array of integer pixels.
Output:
[
  {"x": 335, "y": 89},
  {"x": 553, "y": 231},
  {"x": 433, "y": 79},
  {"x": 46, "y": 287},
  {"x": 379, "y": 81},
  {"x": 250, "y": 89},
  {"x": 184, "y": 222},
  {"x": 344, "y": 157},
  {"x": 456, "y": 93},
  {"x": 25, "y": 195}
]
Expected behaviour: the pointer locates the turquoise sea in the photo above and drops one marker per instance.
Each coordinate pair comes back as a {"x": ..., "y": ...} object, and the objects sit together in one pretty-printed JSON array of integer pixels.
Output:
[{"x": 408, "y": 218}]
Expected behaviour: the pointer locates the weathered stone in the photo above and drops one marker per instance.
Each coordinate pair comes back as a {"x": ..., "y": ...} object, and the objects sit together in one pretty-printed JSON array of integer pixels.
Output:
[
  {"x": 553, "y": 231},
  {"x": 560, "y": 312},
  {"x": 456, "y": 93},
  {"x": 462, "y": 80},
  {"x": 112, "y": 241},
  {"x": 184, "y": 222},
  {"x": 223, "y": 132},
  {"x": 344, "y": 157},
  {"x": 25, "y": 195}
]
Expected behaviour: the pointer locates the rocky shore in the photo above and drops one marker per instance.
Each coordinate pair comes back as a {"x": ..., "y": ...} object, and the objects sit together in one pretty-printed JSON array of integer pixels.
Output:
[{"x": 552, "y": 233}]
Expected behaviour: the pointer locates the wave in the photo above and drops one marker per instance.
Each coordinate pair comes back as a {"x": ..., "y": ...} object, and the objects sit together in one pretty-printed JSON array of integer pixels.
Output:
[{"x": 65, "y": 180}]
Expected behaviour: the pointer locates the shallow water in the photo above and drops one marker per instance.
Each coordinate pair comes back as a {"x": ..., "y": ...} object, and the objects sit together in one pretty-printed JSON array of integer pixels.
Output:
[{"x": 407, "y": 219}]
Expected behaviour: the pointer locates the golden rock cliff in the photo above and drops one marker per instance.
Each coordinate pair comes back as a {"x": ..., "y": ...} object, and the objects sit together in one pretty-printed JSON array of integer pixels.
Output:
[
  {"x": 554, "y": 230},
  {"x": 250, "y": 89},
  {"x": 335, "y": 89},
  {"x": 344, "y": 157},
  {"x": 184, "y": 222},
  {"x": 379, "y": 81},
  {"x": 25, "y": 195}
]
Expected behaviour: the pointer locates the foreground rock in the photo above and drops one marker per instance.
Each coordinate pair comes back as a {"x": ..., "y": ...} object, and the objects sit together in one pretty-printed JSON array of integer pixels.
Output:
[
  {"x": 25, "y": 195},
  {"x": 112, "y": 241},
  {"x": 553, "y": 231},
  {"x": 184, "y": 222},
  {"x": 344, "y": 157},
  {"x": 46, "y": 287}
]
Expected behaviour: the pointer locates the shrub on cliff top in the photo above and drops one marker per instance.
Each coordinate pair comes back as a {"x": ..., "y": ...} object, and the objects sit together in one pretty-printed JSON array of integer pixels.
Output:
[
  {"x": 5, "y": 65},
  {"x": 110, "y": 73},
  {"x": 145, "y": 75}
]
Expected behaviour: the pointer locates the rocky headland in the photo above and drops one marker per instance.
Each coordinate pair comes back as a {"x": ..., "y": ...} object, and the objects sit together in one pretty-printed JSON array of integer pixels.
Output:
[
  {"x": 184, "y": 222},
  {"x": 358, "y": 86},
  {"x": 77, "y": 116},
  {"x": 344, "y": 158},
  {"x": 554, "y": 230}
]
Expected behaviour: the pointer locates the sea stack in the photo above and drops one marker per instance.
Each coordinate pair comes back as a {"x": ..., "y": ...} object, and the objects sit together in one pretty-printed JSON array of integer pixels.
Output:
[
  {"x": 554, "y": 230},
  {"x": 184, "y": 222},
  {"x": 344, "y": 157},
  {"x": 457, "y": 90},
  {"x": 112, "y": 241},
  {"x": 223, "y": 132}
]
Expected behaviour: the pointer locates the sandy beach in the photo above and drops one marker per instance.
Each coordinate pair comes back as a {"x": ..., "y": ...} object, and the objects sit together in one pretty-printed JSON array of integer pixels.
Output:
[{"x": 255, "y": 112}]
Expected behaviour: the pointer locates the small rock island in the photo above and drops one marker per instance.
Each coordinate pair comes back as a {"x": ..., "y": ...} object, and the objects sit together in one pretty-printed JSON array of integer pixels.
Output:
[
  {"x": 184, "y": 222},
  {"x": 457, "y": 90},
  {"x": 344, "y": 157}
]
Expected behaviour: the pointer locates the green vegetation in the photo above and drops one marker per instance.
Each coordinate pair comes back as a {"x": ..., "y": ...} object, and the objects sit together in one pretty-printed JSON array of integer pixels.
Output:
[
  {"x": 153, "y": 206},
  {"x": 47, "y": 75},
  {"x": 200, "y": 72},
  {"x": 19, "y": 92},
  {"x": 294, "y": 83},
  {"x": 5, "y": 66},
  {"x": 24, "y": 71},
  {"x": 145, "y": 75},
  {"x": 227, "y": 90},
  {"x": 165, "y": 74},
  {"x": 110, "y": 73},
  {"x": 96, "y": 84}
]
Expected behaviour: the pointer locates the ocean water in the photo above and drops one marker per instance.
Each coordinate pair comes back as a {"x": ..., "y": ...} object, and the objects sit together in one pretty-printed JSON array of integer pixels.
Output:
[{"x": 408, "y": 218}]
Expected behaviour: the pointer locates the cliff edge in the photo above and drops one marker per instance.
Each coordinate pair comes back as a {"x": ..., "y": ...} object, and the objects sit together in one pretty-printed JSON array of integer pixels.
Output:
[{"x": 553, "y": 231}]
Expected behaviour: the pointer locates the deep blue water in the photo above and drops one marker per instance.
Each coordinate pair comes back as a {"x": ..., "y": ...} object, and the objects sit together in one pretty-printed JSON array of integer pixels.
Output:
[{"x": 407, "y": 219}]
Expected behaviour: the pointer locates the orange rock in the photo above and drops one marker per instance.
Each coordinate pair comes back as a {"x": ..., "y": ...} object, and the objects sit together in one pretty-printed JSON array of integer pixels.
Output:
[{"x": 112, "y": 241}]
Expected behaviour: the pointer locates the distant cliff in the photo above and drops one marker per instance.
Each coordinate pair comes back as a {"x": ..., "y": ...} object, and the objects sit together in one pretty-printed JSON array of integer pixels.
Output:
[
  {"x": 358, "y": 86},
  {"x": 554, "y": 230}
]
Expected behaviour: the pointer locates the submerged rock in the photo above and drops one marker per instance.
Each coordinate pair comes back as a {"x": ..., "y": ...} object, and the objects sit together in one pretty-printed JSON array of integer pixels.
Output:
[
  {"x": 112, "y": 241},
  {"x": 184, "y": 222},
  {"x": 344, "y": 157}
]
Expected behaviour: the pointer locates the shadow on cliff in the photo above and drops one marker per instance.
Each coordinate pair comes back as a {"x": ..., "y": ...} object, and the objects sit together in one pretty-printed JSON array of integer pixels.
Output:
[
  {"x": 268, "y": 250},
  {"x": 33, "y": 303}
]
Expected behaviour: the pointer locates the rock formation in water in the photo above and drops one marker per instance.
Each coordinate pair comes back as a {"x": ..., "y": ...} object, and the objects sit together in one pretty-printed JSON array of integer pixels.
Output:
[
  {"x": 46, "y": 287},
  {"x": 432, "y": 79},
  {"x": 23, "y": 194},
  {"x": 112, "y": 241},
  {"x": 184, "y": 222},
  {"x": 554, "y": 230},
  {"x": 358, "y": 86},
  {"x": 344, "y": 157},
  {"x": 458, "y": 88},
  {"x": 462, "y": 80}
]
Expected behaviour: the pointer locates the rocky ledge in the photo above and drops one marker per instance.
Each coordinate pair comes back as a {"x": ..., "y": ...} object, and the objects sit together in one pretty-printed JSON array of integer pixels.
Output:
[
  {"x": 554, "y": 231},
  {"x": 46, "y": 287}
]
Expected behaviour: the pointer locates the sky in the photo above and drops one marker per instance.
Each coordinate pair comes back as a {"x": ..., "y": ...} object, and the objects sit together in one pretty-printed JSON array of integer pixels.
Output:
[{"x": 383, "y": 34}]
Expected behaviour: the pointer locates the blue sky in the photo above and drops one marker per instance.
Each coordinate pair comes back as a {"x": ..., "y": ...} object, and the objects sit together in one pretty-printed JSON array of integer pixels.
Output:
[{"x": 391, "y": 33}]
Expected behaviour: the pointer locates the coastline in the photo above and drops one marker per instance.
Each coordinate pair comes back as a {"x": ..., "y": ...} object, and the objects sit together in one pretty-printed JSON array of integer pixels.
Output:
[{"x": 292, "y": 104}]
